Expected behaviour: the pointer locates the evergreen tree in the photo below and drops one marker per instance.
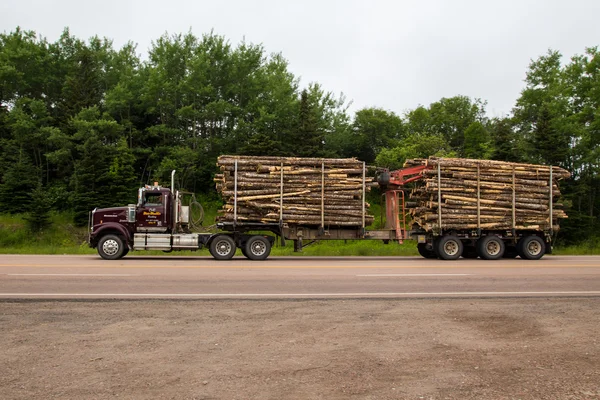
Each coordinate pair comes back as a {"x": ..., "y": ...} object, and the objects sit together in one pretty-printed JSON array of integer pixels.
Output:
[
  {"x": 309, "y": 138},
  {"x": 19, "y": 180},
  {"x": 477, "y": 143},
  {"x": 505, "y": 142},
  {"x": 38, "y": 216}
]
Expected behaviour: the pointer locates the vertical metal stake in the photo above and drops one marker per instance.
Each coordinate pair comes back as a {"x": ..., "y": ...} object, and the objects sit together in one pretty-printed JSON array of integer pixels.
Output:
[
  {"x": 235, "y": 184},
  {"x": 364, "y": 190},
  {"x": 439, "y": 171},
  {"x": 478, "y": 201},
  {"x": 281, "y": 196},
  {"x": 514, "y": 200},
  {"x": 551, "y": 205},
  {"x": 323, "y": 195}
]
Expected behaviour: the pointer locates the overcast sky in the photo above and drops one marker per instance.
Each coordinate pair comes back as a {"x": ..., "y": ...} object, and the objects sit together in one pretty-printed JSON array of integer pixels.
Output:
[{"x": 390, "y": 54}]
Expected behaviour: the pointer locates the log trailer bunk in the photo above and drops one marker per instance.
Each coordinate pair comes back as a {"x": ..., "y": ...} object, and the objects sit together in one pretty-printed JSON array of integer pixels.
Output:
[{"x": 159, "y": 221}]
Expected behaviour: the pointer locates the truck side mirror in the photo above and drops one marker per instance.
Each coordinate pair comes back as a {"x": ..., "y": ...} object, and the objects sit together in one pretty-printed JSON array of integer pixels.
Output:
[{"x": 140, "y": 197}]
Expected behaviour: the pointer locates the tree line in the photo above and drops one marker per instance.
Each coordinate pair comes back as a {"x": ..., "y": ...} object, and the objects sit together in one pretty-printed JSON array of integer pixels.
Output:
[{"x": 82, "y": 124}]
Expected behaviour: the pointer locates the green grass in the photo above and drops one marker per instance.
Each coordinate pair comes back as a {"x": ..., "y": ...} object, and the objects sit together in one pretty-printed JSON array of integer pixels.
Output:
[
  {"x": 61, "y": 237},
  {"x": 590, "y": 247}
]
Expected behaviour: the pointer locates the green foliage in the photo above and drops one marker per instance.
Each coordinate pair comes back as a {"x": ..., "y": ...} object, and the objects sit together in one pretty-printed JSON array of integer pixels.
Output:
[
  {"x": 373, "y": 130},
  {"x": 38, "y": 217},
  {"x": 19, "y": 180},
  {"x": 506, "y": 142},
  {"x": 477, "y": 141},
  {"x": 450, "y": 118},
  {"x": 414, "y": 145}
]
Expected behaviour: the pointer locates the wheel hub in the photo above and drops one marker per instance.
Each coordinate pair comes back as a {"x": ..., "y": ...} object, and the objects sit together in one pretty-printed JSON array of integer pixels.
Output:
[
  {"x": 493, "y": 248},
  {"x": 451, "y": 247},
  {"x": 110, "y": 247},
  {"x": 534, "y": 248},
  {"x": 258, "y": 248},
  {"x": 223, "y": 248}
]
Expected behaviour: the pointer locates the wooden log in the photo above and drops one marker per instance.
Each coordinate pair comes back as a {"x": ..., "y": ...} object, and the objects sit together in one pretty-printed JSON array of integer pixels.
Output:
[
  {"x": 271, "y": 196},
  {"x": 499, "y": 165},
  {"x": 295, "y": 161},
  {"x": 498, "y": 203}
]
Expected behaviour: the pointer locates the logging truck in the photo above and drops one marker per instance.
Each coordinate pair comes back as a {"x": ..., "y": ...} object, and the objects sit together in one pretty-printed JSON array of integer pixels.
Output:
[{"x": 477, "y": 225}]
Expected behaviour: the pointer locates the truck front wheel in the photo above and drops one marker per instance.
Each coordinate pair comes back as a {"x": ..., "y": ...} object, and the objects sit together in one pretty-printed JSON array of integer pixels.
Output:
[
  {"x": 111, "y": 247},
  {"x": 222, "y": 247},
  {"x": 258, "y": 248}
]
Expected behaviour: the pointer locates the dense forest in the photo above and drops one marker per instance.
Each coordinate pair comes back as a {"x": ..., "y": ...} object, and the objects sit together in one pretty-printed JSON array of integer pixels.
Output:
[{"x": 82, "y": 124}]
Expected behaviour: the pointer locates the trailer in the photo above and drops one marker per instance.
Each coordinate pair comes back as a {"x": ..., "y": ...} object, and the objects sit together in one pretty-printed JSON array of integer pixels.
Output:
[{"x": 159, "y": 221}]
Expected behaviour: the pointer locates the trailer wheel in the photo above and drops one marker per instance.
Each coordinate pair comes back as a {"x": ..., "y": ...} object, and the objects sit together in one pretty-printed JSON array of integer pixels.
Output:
[
  {"x": 531, "y": 247},
  {"x": 449, "y": 247},
  {"x": 425, "y": 252},
  {"x": 222, "y": 247},
  {"x": 111, "y": 247},
  {"x": 490, "y": 247},
  {"x": 258, "y": 248}
]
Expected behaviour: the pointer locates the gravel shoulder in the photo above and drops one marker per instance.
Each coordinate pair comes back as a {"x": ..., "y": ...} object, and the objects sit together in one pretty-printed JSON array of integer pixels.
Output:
[{"x": 511, "y": 348}]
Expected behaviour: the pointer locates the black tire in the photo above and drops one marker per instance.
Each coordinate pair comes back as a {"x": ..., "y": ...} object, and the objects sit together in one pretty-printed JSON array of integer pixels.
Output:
[
  {"x": 531, "y": 247},
  {"x": 510, "y": 252},
  {"x": 258, "y": 248},
  {"x": 111, "y": 247},
  {"x": 425, "y": 252},
  {"x": 449, "y": 247},
  {"x": 470, "y": 252},
  {"x": 243, "y": 249},
  {"x": 490, "y": 247},
  {"x": 125, "y": 252},
  {"x": 222, "y": 247}
]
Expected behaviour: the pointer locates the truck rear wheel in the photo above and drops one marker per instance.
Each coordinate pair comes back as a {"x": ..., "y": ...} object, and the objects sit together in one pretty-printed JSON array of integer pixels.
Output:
[
  {"x": 449, "y": 247},
  {"x": 490, "y": 247},
  {"x": 222, "y": 247},
  {"x": 425, "y": 252},
  {"x": 258, "y": 248},
  {"x": 111, "y": 247},
  {"x": 531, "y": 247}
]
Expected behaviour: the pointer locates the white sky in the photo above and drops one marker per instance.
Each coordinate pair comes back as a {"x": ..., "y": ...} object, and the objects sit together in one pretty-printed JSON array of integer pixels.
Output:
[{"x": 390, "y": 54}]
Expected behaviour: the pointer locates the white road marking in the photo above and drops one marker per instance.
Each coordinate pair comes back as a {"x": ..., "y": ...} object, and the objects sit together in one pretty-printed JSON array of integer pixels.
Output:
[
  {"x": 72, "y": 274},
  {"x": 377, "y": 275},
  {"x": 237, "y": 295}
]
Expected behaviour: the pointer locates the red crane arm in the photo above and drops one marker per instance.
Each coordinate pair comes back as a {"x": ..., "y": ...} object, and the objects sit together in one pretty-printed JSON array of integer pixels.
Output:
[{"x": 403, "y": 176}]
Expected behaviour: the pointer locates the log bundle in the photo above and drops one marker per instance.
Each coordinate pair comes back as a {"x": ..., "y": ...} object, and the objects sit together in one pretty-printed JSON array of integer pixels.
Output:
[
  {"x": 301, "y": 191},
  {"x": 485, "y": 194}
]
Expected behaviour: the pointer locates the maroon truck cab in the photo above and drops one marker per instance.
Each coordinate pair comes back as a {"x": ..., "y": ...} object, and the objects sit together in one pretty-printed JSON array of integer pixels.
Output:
[{"x": 152, "y": 213}]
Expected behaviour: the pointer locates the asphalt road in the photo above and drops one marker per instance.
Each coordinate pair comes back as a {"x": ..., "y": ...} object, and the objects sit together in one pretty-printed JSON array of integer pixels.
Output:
[{"x": 43, "y": 276}]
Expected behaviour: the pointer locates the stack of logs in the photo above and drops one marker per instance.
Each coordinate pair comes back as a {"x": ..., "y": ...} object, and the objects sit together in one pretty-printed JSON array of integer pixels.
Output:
[
  {"x": 315, "y": 191},
  {"x": 486, "y": 194}
]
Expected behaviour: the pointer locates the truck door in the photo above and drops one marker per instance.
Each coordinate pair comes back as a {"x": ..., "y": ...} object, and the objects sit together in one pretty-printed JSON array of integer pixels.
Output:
[{"x": 151, "y": 215}]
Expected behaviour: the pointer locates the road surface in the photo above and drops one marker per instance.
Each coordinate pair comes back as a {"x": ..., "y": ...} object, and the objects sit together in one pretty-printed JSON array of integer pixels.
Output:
[
  {"x": 333, "y": 328},
  {"x": 44, "y": 276}
]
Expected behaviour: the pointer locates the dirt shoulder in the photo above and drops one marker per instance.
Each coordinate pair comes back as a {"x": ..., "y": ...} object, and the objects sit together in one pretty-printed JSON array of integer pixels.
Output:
[{"x": 534, "y": 348}]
